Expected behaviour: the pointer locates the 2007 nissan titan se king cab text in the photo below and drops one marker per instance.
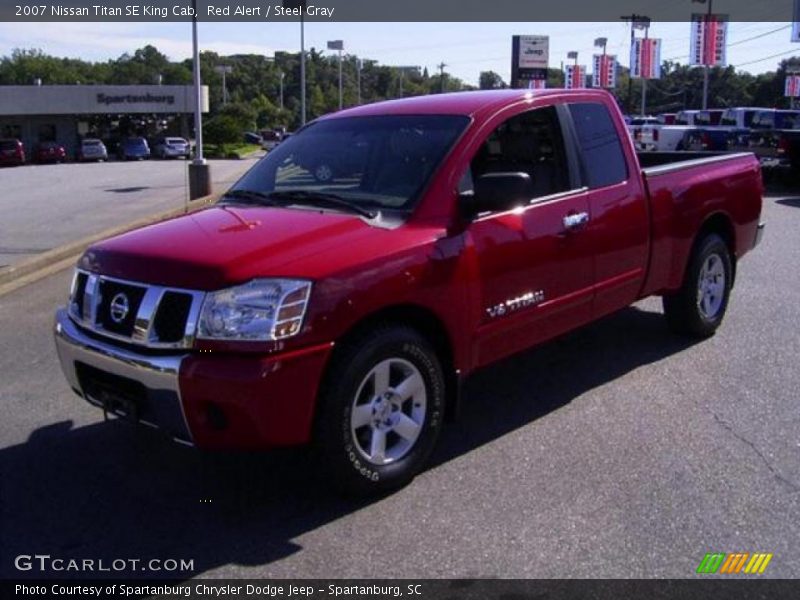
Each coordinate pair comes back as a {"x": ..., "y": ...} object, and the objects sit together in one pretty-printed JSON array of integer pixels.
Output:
[{"x": 339, "y": 292}]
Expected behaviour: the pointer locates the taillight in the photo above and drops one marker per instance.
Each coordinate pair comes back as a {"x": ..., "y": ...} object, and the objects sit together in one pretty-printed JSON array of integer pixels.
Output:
[
  {"x": 706, "y": 141},
  {"x": 655, "y": 135},
  {"x": 783, "y": 146}
]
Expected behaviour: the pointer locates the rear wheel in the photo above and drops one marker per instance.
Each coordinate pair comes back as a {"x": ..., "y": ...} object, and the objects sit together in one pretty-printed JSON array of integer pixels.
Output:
[
  {"x": 380, "y": 411},
  {"x": 698, "y": 308}
]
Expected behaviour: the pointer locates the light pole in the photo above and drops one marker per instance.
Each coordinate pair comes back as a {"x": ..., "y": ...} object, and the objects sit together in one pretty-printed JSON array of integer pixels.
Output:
[
  {"x": 703, "y": 52},
  {"x": 441, "y": 66},
  {"x": 338, "y": 45},
  {"x": 358, "y": 78},
  {"x": 573, "y": 55},
  {"x": 601, "y": 43},
  {"x": 199, "y": 170},
  {"x": 402, "y": 72},
  {"x": 301, "y": 5},
  {"x": 224, "y": 70},
  {"x": 636, "y": 23},
  {"x": 644, "y": 79}
]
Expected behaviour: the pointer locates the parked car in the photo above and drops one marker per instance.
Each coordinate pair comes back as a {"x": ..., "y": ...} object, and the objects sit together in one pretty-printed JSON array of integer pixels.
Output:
[
  {"x": 92, "y": 149},
  {"x": 252, "y": 138},
  {"x": 668, "y": 138},
  {"x": 134, "y": 148},
  {"x": 775, "y": 140},
  {"x": 270, "y": 139},
  {"x": 12, "y": 152},
  {"x": 172, "y": 147},
  {"x": 49, "y": 152},
  {"x": 734, "y": 123},
  {"x": 348, "y": 315},
  {"x": 636, "y": 124}
]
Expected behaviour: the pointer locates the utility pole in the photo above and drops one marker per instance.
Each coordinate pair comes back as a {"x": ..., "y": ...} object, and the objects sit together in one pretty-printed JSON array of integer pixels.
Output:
[
  {"x": 441, "y": 67},
  {"x": 281, "y": 76}
]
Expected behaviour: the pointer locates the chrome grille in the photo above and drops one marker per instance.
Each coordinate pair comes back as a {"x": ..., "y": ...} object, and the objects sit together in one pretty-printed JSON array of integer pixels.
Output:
[{"x": 156, "y": 316}]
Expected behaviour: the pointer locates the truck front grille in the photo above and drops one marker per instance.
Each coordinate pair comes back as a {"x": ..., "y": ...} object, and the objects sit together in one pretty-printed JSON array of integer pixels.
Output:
[
  {"x": 135, "y": 313},
  {"x": 170, "y": 323}
]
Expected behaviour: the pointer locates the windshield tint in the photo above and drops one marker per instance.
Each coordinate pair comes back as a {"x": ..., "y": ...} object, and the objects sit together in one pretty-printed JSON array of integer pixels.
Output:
[{"x": 375, "y": 162}]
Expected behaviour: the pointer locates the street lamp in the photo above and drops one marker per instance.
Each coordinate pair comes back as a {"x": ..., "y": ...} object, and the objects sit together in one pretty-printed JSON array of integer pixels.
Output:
[
  {"x": 601, "y": 43},
  {"x": 224, "y": 70},
  {"x": 402, "y": 72},
  {"x": 338, "y": 45},
  {"x": 358, "y": 78},
  {"x": 199, "y": 170},
  {"x": 301, "y": 4}
]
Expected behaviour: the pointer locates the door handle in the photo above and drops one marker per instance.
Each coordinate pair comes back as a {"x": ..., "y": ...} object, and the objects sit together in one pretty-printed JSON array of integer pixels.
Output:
[{"x": 575, "y": 221}]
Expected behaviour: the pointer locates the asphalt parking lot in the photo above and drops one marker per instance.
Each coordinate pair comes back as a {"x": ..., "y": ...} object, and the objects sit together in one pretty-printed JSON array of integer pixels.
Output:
[
  {"x": 44, "y": 206},
  {"x": 617, "y": 451}
]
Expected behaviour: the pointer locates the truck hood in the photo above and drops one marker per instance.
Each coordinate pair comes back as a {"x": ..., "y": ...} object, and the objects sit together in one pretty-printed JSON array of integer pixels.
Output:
[{"x": 221, "y": 246}]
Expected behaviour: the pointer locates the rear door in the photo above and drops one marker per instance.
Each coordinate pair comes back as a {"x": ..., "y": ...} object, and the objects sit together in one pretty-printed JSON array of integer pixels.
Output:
[
  {"x": 535, "y": 261},
  {"x": 618, "y": 230}
]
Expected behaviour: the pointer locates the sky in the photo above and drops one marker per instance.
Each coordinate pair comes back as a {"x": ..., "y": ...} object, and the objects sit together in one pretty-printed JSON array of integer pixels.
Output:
[{"x": 466, "y": 48}]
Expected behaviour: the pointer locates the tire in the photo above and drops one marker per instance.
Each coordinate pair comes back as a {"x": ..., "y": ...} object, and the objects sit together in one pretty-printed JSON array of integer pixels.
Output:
[
  {"x": 697, "y": 309},
  {"x": 323, "y": 173},
  {"x": 385, "y": 385}
]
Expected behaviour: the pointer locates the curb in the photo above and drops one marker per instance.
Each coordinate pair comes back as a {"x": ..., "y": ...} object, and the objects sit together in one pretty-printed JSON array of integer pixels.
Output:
[{"x": 35, "y": 268}]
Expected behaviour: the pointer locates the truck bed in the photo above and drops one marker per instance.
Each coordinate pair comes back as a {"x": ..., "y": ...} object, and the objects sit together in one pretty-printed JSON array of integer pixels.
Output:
[{"x": 687, "y": 187}]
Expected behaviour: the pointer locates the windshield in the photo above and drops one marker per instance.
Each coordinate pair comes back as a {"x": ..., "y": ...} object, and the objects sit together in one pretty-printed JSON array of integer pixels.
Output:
[
  {"x": 380, "y": 162},
  {"x": 176, "y": 141},
  {"x": 8, "y": 145}
]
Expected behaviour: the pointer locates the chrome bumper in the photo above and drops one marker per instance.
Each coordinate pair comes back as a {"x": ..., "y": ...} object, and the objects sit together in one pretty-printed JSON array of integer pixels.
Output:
[
  {"x": 159, "y": 404},
  {"x": 759, "y": 234}
]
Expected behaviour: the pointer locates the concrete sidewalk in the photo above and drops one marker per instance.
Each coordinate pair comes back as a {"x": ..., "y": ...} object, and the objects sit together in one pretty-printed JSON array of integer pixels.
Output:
[{"x": 45, "y": 207}]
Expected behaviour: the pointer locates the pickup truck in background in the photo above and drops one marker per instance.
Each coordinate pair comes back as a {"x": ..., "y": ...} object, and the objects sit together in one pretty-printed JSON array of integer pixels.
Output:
[
  {"x": 668, "y": 138},
  {"x": 346, "y": 314},
  {"x": 714, "y": 129},
  {"x": 775, "y": 140}
]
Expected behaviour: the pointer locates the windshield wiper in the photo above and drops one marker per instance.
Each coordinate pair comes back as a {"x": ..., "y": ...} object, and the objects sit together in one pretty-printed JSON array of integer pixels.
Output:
[
  {"x": 252, "y": 195},
  {"x": 320, "y": 198}
]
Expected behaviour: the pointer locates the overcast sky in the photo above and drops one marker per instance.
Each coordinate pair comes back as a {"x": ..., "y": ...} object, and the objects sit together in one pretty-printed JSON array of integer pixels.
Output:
[{"x": 467, "y": 48}]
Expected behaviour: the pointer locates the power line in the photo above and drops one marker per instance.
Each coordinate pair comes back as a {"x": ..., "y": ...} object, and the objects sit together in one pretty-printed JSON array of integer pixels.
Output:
[
  {"x": 755, "y": 37},
  {"x": 752, "y": 62}
]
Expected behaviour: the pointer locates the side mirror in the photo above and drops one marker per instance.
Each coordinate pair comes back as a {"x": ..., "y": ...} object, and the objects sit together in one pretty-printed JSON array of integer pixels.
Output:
[{"x": 496, "y": 192}]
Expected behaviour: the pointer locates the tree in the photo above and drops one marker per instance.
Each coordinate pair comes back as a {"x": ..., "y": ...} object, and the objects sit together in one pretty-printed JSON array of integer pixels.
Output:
[{"x": 489, "y": 80}]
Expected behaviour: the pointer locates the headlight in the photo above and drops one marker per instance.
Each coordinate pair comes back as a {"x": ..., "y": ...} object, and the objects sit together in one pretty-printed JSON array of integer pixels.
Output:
[{"x": 260, "y": 310}]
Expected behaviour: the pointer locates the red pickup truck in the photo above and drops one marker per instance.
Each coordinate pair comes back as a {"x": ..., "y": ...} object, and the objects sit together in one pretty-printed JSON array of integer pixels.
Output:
[{"x": 346, "y": 312}]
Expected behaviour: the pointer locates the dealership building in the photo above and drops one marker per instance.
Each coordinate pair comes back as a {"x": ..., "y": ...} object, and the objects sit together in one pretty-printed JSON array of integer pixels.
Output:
[{"x": 67, "y": 113}]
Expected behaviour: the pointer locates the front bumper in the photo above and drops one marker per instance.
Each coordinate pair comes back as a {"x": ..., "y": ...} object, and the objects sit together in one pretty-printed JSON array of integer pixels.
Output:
[{"x": 214, "y": 401}]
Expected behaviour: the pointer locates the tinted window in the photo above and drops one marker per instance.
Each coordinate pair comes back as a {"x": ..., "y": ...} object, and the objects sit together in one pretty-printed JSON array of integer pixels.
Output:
[
  {"x": 603, "y": 160},
  {"x": 528, "y": 143},
  {"x": 376, "y": 162}
]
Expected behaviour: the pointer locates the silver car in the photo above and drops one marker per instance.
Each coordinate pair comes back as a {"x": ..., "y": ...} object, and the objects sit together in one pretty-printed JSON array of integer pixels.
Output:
[
  {"x": 172, "y": 147},
  {"x": 92, "y": 149}
]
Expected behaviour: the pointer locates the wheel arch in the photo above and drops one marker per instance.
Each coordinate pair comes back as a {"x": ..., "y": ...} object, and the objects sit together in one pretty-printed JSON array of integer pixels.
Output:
[
  {"x": 721, "y": 224},
  {"x": 425, "y": 322}
]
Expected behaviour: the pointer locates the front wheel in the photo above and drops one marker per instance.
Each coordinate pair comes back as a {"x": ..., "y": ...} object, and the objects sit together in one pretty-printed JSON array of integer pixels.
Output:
[
  {"x": 698, "y": 308},
  {"x": 381, "y": 410}
]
